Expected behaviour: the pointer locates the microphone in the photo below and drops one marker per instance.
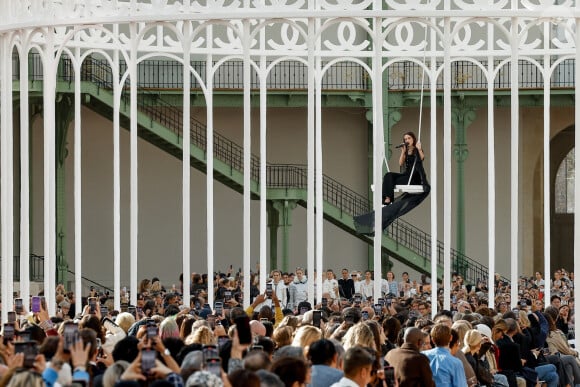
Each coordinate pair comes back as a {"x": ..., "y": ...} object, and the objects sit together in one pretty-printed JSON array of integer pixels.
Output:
[{"x": 401, "y": 145}]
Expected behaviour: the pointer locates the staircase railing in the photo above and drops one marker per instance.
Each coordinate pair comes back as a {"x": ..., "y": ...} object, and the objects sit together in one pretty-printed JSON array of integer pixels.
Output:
[
  {"x": 36, "y": 268},
  {"x": 278, "y": 176},
  {"x": 36, "y": 273}
]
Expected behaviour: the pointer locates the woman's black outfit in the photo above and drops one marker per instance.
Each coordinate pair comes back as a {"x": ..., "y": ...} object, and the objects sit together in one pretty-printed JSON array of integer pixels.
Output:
[{"x": 391, "y": 179}]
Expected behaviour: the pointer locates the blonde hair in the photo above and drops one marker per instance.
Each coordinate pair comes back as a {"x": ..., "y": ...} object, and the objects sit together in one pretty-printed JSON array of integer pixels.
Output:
[
  {"x": 168, "y": 328},
  {"x": 114, "y": 372},
  {"x": 359, "y": 334},
  {"x": 125, "y": 320},
  {"x": 290, "y": 321},
  {"x": 202, "y": 335},
  {"x": 461, "y": 327},
  {"x": 524, "y": 320},
  {"x": 306, "y": 335},
  {"x": 472, "y": 339},
  {"x": 25, "y": 378},
  {"x": 282, "y": 336}
]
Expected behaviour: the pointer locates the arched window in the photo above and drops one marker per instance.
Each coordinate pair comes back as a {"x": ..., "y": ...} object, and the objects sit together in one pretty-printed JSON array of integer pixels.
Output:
[{"x": 564, "y": 189}]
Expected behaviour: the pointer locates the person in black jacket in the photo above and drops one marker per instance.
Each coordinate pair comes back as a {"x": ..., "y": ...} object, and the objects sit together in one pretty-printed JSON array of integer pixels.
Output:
[{"x": 346, "y": 286}]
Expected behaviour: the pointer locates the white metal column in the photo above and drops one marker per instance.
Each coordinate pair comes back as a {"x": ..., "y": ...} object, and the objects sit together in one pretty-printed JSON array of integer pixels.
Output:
[{"x": 24, "y": 179}]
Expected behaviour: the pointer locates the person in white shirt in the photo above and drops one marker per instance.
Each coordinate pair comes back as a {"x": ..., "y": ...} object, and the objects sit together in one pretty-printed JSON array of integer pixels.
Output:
[
  {"x": 279, "y": 288},
  {"x": 357, "y": 282},
  {"x": 367, "y": 288},
  {"x": 298, "y": 289},
  {"x": 357, "y": 366},
  {"x": 330, "y": 285}
]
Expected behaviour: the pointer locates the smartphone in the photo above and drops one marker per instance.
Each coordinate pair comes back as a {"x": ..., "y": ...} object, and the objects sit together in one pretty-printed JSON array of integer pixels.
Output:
[
  {"x": 381, "y": 301},
  {"x": 29, "y": 349},
  {"x": 35, "y": 304},
  {"x": 11, "y": 317},
  {"x": 243, "y": 328},
  {"x": 99, "y": 348},
  {"x": 389, "y": 301},
  {"x": 23, "y": 335},
  {"x": 222, "y": 340},
  {"x": 378, "y": 310},
  {"x": 269, "y": 290},
  {"x": 523, "y": 304},
  {"x": 92, "y": 305},
  {"x": 316, "y": 318},
  {"x": 148, "y": 357},
  {"x": 227, "y": 295},
  {"x": 264, "y": 320},
  {"x": 210, "y": 352},
  {"x": 218, "y": 308},
  {"x": 365, "y": 315},
  {"x": 104, "y": 311},
  {"x": 420, "y": 288},
  {"x": 389, "y": 376},
  {"x": 257, "y": 347},
  {"x": 18, "y": 306},
  {"x": 71, "y": 334},
  {"x": 516, "y": 311},
  {"x": 214, "y": 366},
  {"x": 152, "y": 331},
  {"x": 324, "y": 302},
  {"x": 454, "y": 299},
  {"x": 8, "y": 333}
]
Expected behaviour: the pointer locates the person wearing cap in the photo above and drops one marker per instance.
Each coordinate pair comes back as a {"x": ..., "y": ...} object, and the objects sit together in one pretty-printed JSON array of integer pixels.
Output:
[
  {"x": 473, "y": 340},
  {"x": 411, "y": 366},
  {"x": 487, "y": 351},
  {"x": 447, "y": 369}
]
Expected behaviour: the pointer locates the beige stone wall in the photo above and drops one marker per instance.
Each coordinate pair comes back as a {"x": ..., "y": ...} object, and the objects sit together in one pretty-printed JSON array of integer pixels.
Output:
[{"x": 345, "y": 159}]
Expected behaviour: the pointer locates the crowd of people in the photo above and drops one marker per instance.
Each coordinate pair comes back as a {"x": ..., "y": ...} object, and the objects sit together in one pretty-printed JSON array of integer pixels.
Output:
[{"x": 351, "y": 337}]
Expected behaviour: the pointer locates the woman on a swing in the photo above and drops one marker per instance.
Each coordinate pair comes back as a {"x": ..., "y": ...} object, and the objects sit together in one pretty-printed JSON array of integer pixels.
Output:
[{"x": 410, "y": 148}]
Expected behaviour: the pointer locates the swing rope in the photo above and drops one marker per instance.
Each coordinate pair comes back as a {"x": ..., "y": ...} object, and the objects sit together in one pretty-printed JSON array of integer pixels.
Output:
[
  {"x": 409, "y": 187},
  {"x": 420, "y": 108}
]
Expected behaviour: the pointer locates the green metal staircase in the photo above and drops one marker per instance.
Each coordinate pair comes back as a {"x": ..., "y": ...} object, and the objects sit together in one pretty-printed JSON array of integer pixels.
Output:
[{"x": 160, "y": 123}]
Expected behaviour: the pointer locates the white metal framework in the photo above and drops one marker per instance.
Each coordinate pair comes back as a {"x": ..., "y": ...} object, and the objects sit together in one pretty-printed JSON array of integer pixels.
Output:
[{"x": 372, "y": 33}]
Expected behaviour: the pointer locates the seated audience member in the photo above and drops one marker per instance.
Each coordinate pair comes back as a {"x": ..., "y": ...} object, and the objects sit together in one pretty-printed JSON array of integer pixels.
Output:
[
  {"x": 411, "y": 366},
  {"x": 447, "y": 369}
]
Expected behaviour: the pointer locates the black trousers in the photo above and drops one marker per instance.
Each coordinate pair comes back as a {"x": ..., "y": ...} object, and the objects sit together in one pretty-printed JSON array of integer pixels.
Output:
[{"x": 391, "y": 179}]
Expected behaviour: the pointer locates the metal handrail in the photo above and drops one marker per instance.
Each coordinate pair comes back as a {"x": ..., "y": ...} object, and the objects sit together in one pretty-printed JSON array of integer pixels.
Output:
[
  {"x": 36, "y": 268},
  {"x": 287, "y": 176},
  {"x": 36, "y": 272}
]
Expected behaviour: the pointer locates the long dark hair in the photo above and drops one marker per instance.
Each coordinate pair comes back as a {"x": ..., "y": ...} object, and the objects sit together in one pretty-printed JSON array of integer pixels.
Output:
[{"x": 412, "y": 136}]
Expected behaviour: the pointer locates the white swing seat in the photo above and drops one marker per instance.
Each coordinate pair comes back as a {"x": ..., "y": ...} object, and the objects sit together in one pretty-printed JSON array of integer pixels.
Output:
[{"x": 409, "y": 188}]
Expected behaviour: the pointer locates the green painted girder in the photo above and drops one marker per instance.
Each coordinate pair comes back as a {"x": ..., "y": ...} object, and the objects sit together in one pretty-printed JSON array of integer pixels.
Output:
[
  {"x": 275, "y": 98},
  {"x": 478, "y": 98}
]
